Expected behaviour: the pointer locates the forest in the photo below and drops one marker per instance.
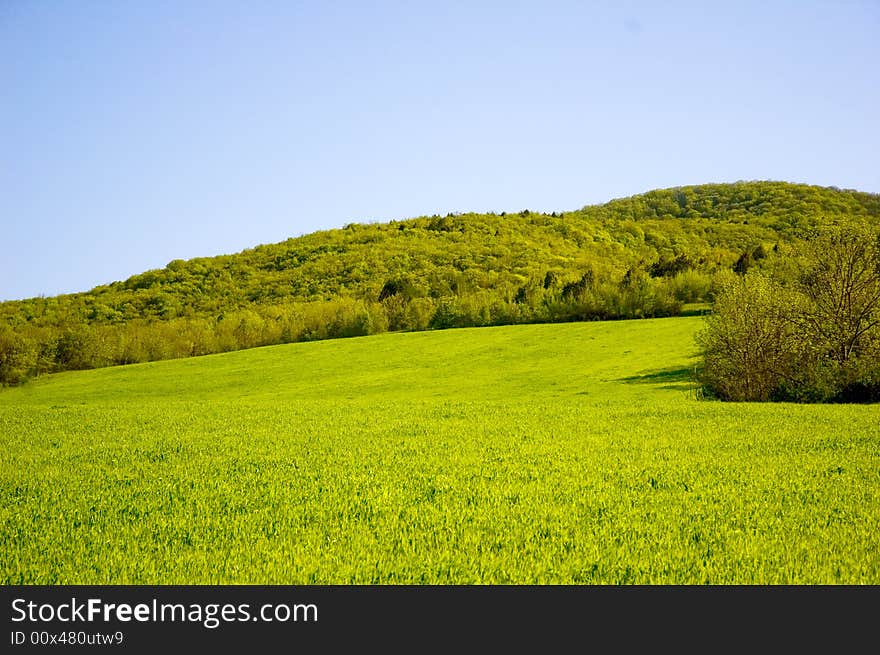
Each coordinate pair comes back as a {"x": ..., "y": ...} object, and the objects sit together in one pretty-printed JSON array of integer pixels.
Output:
[{"x": 657, "y": 254}]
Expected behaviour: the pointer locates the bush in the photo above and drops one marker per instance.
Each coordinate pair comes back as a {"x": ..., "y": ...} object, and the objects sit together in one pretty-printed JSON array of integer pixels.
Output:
[{"x": 750, "y": 345}]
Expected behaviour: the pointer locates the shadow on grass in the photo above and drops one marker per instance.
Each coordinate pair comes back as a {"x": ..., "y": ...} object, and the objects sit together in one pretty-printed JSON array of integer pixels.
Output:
[{"x": 667, "y": 378}]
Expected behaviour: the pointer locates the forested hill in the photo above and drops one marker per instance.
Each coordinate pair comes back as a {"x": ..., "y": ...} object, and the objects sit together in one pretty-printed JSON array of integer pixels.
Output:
[{"x": 640, "y": 256}]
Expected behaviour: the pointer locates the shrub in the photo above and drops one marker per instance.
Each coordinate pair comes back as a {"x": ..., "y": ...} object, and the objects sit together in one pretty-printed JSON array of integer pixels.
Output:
[{"x": 750, "y": 344}]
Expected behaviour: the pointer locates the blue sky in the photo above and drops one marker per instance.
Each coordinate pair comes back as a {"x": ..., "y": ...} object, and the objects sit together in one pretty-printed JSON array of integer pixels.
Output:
[{"x": 134, "y": 133}]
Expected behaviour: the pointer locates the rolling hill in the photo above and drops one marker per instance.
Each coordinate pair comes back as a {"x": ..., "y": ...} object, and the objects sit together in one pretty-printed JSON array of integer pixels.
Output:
[{"x": 648, "y": 255}]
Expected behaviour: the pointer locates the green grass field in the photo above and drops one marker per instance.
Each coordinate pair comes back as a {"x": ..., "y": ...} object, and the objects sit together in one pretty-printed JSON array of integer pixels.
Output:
[{"x": 573, "y": 453}]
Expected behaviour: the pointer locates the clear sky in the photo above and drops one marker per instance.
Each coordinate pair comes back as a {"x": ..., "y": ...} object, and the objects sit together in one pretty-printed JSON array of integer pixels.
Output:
[{"x": 137, "y": 132}]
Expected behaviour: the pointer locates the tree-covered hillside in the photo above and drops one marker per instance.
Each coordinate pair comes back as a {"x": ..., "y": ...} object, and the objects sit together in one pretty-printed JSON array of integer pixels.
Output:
[{"x": 641, "y": 256}]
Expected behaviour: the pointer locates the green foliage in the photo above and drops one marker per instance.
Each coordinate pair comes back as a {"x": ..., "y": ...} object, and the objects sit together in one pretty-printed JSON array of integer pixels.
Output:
[
  {"x": 18, "y": 356},
  {"x": 750, "y": 344},
  {"x": 670, "y": 267},
  {"x": 534, "y": 454},
  {"x": 459, "y": 270},
  {"x": 806, "y": 330},
  {"x": 691, "y": 286},
  {"x": 743, "y": 264}
]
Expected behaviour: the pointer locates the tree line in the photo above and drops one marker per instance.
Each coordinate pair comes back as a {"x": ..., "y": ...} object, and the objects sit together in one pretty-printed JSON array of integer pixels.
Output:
[{"x": 32, "y": 349}]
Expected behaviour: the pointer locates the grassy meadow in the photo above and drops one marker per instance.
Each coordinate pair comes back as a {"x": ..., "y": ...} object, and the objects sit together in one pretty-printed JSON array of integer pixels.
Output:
[{"x": 567, "y": 453}]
